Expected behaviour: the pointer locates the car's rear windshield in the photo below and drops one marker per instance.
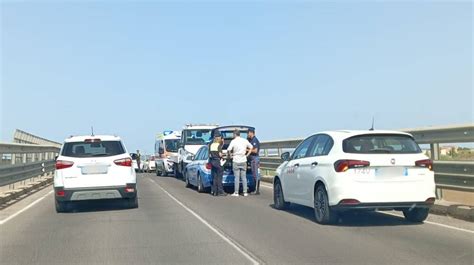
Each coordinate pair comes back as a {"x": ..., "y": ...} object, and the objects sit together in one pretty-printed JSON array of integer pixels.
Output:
[
  {"x": 228, "y": 136},
  {"x": 381, "y": 143},
  {"x": 94, "y": 149}
]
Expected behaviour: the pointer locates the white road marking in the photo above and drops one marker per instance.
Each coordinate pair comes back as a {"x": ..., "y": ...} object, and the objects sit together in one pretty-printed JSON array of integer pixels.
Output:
[
  {"x": 227, "y": 239},
  {"x": 437, "y": 224},
  {"x": 393, "y": 214},
  {"x": 24, "y": 209}
]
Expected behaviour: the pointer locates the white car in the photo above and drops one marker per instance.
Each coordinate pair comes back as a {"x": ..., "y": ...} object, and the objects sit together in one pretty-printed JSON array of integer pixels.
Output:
[
  {"x": 149, "y": 164},
  {"x": 94, "y": 168},
  {"x": 339, "y": 171}
]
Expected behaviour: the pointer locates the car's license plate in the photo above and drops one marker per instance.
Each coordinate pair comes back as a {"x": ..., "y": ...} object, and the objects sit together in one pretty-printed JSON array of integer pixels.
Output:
[
  {"x": 88, "y": 170},
  {"x": 391, "y": 172}
]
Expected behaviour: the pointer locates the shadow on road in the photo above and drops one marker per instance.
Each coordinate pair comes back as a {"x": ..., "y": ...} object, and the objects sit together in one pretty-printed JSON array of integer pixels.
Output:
[
  {"x": 96, "y": 206},
  {"x": 353, "y": 219}
]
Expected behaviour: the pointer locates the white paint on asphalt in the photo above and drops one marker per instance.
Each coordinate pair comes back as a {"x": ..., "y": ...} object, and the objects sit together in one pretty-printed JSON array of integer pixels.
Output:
[
  {"x": 227, "y": 239},
  {"x": 393, "y": 214},
  {"x": 433, "y": 223},
  {"x": 24, "y": 209}
]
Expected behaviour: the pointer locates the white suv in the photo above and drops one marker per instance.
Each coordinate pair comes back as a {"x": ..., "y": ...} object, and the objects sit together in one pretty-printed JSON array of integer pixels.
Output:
[
  {"x": 94, "y": 168},
  {"x": 341, "y": 171}
]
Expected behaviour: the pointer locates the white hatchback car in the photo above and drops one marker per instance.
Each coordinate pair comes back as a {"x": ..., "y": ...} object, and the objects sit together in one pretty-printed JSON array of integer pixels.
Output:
[
  {"x": 94, "y": 168},
  {"x": 339, "y": 171}
]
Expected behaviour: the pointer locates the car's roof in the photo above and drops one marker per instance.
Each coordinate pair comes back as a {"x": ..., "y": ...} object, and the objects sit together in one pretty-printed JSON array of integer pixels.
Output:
[
  {"x": 343, "y": 134},
  {"x": 232, "y": 127},
  {"x": 82, "y": 138}
]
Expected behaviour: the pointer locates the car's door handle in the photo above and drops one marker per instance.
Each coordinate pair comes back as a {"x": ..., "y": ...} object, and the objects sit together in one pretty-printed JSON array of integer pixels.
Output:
[{"x": 314, "y": 164}]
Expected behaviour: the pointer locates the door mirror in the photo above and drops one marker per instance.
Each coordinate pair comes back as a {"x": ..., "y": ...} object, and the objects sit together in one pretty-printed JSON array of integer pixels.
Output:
[
  {"x": 190, "y": 158},
  {"x": 285, "y": 156},
  {"x": 134, "y": 156}
]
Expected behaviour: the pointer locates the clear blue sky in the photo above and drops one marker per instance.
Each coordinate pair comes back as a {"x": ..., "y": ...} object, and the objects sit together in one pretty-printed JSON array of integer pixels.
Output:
[{"x": 135, "y": 69}]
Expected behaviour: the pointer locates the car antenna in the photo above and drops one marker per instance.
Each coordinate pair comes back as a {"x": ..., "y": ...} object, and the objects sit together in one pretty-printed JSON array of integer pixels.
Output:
[
  {"x": 92, "y": 130},
  {"x": 373, "y": 121}
]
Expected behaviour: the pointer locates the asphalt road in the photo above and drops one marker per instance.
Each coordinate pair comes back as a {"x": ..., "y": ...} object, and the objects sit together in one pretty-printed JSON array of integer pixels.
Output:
[{"x": 175, "y": 225}]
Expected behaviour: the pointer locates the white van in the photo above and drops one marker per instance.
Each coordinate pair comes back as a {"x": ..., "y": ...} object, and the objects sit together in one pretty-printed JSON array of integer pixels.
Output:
[
  {"x": 193, "y": 137},
  {"x": 166, "y": 152}
]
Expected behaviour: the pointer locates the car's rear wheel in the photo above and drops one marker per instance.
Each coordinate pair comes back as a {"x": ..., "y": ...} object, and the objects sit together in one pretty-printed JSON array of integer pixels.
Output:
[
  {"x": 61, "y": 207},
  {"x": 200, "y": 187},
  {"x": 322, "y": 211},
  {"x": 416, "y": 215},
  {"x": 132, "y": 203},
  {"x": 278, "y": 197}
]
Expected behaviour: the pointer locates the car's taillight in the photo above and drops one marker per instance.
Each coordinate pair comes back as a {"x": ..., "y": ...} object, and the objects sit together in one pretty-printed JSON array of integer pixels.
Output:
[
  {"x": 60, "y": 193},
  {"x": 346, "y": 164},
  {"x": 129, "y": 189},
  {"x": 125, "y": 162},
  {"x": 62, "y": 164},
  {"x": 208, "y": 166},
  {"x": 428, "y": 163}
]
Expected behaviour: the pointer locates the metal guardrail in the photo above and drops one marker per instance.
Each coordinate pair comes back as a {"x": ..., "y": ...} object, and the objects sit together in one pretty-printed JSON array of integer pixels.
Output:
[
  {"x": 23, "y": 161},
  {"x": 457, "y": 175}
]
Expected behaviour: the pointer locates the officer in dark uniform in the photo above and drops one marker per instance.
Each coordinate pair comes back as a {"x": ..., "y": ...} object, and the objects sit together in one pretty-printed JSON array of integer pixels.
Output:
[
  {"x": 254, "y": 159},
  {"x": 215, "y": 156}
]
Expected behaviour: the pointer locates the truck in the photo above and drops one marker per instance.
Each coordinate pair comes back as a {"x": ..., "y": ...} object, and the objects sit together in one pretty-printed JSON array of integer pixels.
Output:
[{"x": 193, "y": 137}]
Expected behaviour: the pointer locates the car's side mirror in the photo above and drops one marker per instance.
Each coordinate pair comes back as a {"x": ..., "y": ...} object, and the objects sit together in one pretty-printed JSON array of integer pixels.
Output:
[
  {"x": 134, "y": 156},
  {"x": 285, "y": 156}
]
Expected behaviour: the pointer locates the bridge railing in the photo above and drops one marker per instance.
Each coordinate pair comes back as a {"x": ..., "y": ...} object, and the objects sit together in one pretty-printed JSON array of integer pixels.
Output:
[
  {"x": 24, "y": 161},
  {"x": 449, "y": 175}
]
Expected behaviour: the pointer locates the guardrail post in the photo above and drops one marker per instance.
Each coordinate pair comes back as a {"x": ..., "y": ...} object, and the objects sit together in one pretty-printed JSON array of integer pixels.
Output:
[{"x": 434, "y": 151}]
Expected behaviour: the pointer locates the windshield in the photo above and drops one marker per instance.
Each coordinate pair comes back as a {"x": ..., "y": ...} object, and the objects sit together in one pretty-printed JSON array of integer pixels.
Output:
[
  {"x": 197, "y": 137},
  {"x": 381, "y": 143},
  {"x": 172, "y": 145},
  {"x": 96, "y": 149}
]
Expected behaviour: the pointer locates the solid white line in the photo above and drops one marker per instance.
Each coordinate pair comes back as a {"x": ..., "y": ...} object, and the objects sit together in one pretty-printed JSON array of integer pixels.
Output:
[
  {"x": 24, "y": 209},
  {"x": 393, "y": 214},
  {"x": 220, "y": 234},
  {"x": 437, "y": 224}
]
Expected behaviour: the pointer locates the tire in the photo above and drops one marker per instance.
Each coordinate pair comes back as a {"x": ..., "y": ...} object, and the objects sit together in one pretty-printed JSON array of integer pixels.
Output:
[
  {"x": 416, "y": 215},
  {"x": 158, "y": 173},
  {"x": 322, "y": 211},
  {"x": 278, "y": 197},
  {"x": 186, "y": 180},
  {"x": 61, "y": 207},
  {"x": 200, "y": 187},
  {"x": 132, "y": 203}
]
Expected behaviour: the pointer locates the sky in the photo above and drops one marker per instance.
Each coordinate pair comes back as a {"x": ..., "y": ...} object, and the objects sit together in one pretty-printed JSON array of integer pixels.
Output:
[{"x": 288, "y": 68}]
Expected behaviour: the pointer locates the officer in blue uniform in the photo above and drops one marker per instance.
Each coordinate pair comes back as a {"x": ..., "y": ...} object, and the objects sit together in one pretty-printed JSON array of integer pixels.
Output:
[
  {"x": 215, "y": 156},
  {"x": 255, "y": 159}
]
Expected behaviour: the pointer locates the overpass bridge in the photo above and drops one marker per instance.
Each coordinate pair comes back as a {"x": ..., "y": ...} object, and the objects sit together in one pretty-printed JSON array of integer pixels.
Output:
[{"x": 175, "y": 225}]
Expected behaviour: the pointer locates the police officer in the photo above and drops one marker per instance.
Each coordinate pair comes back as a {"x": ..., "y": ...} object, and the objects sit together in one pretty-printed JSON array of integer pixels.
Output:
[
  {"x": 215, "y": 156},
  {"x": 255, "y": 159}
]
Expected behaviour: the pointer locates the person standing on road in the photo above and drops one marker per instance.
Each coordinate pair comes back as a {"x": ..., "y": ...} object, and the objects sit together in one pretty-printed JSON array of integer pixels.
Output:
[
  {"x": 240, "y": 149},
  {"x": 255, "y": 159},
  {"x": 215, "y": 156},
  {"x": 139, "y": 160}
]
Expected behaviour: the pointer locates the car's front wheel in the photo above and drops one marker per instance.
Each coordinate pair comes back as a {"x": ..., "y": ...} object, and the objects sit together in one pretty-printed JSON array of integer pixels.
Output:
[
  {"x": 322, "y": 211},
  {"x": 416, "y": 215},
  {"x": 278, "y": 197},
  {"x": 200, "y": 187}
]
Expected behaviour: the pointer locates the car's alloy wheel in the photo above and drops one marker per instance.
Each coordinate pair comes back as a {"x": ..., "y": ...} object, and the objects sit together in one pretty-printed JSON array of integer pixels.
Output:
[
  {"x": 278, "y": 197},
  {"x": 416, "y": 215},
  {"x": 322, "y": 210}
]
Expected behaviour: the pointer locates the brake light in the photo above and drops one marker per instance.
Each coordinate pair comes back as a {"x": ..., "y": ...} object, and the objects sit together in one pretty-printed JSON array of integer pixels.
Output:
[
  {"x": 208, "y": 166},
  {"x": 96, "y": 140},
  {"x": 129, "y": 189},
  {"x": 62, "y": 164},
  {"x": 125, "y": 162},
  {"x": 428, "y": 163},
  {"x": 346, "y": 164},
  {"x": 349, "y": 201},
  {"x": 60, "y": 193}
]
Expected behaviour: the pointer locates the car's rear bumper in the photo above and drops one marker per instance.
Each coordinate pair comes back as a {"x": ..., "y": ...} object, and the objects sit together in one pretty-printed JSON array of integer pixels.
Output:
[
  {"x": 95, "y": 193},
  {"x": 382, "y": 206}
]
